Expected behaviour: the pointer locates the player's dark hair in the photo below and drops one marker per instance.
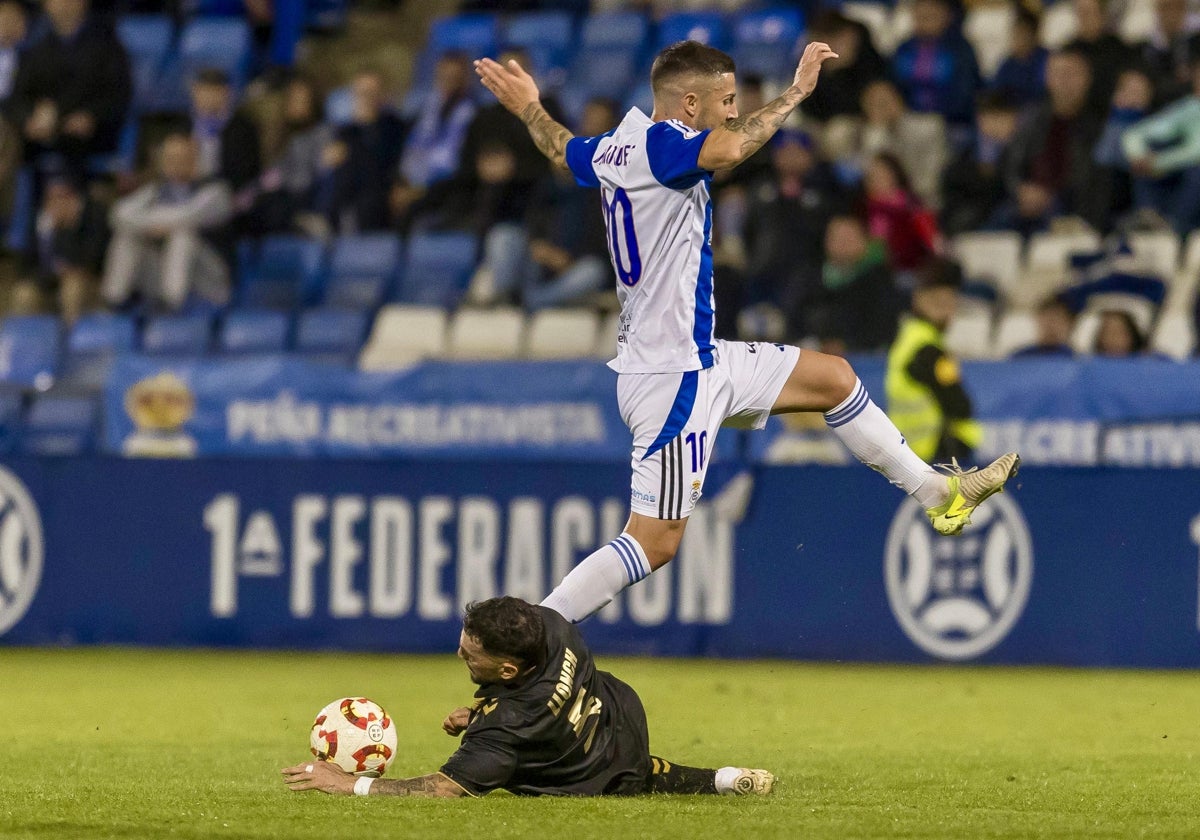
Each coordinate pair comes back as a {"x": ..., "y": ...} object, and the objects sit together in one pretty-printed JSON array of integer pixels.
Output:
[
  {"x": 507, "y": 627},
  {"x": 688, "y": 58}
]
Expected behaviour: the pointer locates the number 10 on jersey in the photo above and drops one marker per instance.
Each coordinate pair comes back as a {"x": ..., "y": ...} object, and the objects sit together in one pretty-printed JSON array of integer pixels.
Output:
[{"x": 622, "y": 238}]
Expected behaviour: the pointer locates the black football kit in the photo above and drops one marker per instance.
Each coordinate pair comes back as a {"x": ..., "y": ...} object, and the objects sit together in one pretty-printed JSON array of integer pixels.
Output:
[{"x": 567, "y": 729}]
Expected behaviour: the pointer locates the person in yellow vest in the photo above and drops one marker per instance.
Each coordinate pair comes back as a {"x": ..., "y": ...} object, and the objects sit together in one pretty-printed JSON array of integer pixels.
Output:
[{"x": 925, "y": 394}]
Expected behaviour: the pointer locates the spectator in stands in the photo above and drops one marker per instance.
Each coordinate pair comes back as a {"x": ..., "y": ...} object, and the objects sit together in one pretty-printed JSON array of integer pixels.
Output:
[
  {"x": 226, "y": 137},
  {"x": 478, "y": 199},
  {"x": 1118, "y": 335},
  {"x": 785, "y": 227},
  {"x": 1164, "y": 155},
  {"x": 844, "y": 78},
  {"x": 1022, "y": 74},
  {"x": 559, "y": 255},
  {"x": 72, "y": 89},
  {"x": 1051, "y": 170},
  {"x": 493, "y": 123},
  {"x": 168, "y": 234},
  {"x": 896, "y": 216},
  {"x": 286, "y": 189},
  {"x": 917, "y": 140},
  {"x": 973, "y": 183},
  {"x": 431, "y": 151},
  {"x": 925, "y": 394},
  {"x": 936, "y": 68},
  {"x": 1173, "y": 46},
  {"x": 358, "y": 169},
  {"x": 1132, "y": 100},
  {"x": 1055, "y": 322},
  {"x": 68, "y": 250},
  {"x": 13, "y": 27},
  {"x": 857, "y": 307},
  {"x": 1096, "y": 39}
]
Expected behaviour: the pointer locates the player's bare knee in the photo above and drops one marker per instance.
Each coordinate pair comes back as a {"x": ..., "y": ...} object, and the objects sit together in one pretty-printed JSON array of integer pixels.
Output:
[
  {"x": 659, "y": 538},
  {"x": 839, "y": 379}
]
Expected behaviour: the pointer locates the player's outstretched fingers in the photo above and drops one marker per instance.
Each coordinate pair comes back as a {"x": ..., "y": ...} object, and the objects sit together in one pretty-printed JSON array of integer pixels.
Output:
[{"x": 299, "y": 776}]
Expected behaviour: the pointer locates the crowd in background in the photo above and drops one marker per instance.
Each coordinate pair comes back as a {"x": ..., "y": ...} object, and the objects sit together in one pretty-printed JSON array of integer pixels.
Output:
[{"x": 820, "y": 236}]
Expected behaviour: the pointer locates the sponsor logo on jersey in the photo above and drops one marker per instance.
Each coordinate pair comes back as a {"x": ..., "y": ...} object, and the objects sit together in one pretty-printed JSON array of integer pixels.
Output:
[
  {"x": 21, "y": 550},
  {"x": 958, "y": 597}
]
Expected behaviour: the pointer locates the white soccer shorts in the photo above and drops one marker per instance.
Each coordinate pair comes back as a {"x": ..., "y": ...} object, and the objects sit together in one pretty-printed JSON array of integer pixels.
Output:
[{"x": 674, "y": 418}]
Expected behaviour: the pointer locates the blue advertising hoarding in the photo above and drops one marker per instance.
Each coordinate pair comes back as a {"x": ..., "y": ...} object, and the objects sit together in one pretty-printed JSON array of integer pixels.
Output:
[
  {"x": 1072, "y": 567},
  {"x": 1056, "y": 412}
]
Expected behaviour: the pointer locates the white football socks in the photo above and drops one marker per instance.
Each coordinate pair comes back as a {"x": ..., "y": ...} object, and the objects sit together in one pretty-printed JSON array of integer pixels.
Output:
[
  {"x": 874, "y": 439},
  {"x": 591, "y": 585},
  {"x": 726, "y": 776}
]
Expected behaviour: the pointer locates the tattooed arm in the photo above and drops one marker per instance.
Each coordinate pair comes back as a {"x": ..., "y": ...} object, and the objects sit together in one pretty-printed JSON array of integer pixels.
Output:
[
  {"x": 518, "y": 92},
  {"x": 729, "y": 144},
  {"x": 329, "y": 778},
  {"x": 550, "y": 136},
  {"x": 435, "y": 785}
]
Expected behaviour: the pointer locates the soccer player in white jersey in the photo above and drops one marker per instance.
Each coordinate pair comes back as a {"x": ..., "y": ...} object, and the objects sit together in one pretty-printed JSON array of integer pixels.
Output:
[{"x": 678, "y": 385}]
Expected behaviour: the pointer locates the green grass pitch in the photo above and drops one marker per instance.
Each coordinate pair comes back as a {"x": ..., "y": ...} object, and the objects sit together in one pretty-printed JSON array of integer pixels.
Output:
[{"x": 150, "y": 743}]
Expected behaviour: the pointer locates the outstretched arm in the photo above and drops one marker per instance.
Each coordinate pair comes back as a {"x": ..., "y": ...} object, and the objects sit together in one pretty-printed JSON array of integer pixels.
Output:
[
  {"x": 518, "y": 92},
  {"x": 729, "y": 144},
  {"x": 329, "y": 778}
]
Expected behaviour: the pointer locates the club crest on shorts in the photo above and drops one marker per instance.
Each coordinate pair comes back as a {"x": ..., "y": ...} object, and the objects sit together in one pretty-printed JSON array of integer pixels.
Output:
[
  {"x": 21, "y": 550},
  {"x": 958, "y": 597},
  {"x": 695, "y": 491}
]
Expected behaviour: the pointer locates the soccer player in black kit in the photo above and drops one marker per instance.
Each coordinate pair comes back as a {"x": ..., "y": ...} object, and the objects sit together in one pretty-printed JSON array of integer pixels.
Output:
[{"x": 544, "y": 722}]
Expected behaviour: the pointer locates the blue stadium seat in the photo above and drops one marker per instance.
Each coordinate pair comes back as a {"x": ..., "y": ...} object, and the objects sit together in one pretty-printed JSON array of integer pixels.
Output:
[
  {"x": 765, "y": 41},
  {"x": 60, "y": 424},
  {"x": 29, "y": 350},
  {"x": 602, "y": 71},
  {"x": 92, "y": 346},
  {"x": 222, "y": 43},
  {"x": 438, "y": 268},
  {"x": 705, "y": 27},
  {"x": 254, "y": 331},
  {"x": 147, "y": 39},
  {"x": 330, "y": 335},
  {"x": 285, "y": 272},
  {"x": 547, "y": 36},
  {"x": 11, "y": 403},
  {"x": 619, "y": 30},
  {"x": 177, "y": 335},
  {"x": 474, "y": 34},
  {"x": 362, "y": 270}
]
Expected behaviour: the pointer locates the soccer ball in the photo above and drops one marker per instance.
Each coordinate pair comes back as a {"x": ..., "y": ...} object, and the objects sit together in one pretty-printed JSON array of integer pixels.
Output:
[{"x": 356, "y": 734}]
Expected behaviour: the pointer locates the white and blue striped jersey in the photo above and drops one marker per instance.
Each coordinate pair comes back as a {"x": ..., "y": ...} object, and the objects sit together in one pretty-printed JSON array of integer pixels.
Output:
[{"x": 659, "y": 219}]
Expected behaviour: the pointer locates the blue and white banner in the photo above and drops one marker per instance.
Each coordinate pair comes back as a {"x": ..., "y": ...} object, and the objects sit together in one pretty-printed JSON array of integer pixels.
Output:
[
  {"x": 275, "y": 406},
  {"x": 1127, "y": 413},
  {"x": 1071, "y": 567}
]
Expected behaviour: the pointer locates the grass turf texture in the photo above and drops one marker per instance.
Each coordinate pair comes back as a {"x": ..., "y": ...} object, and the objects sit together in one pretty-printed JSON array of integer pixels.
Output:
[{"x": 133, "y": 743}]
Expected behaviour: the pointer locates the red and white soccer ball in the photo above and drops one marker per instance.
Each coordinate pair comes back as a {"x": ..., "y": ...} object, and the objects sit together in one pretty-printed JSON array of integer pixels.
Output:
[{"x": 356, "y": 734}]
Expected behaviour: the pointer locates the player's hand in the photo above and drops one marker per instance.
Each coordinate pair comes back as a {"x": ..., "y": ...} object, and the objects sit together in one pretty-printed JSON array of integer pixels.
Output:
[
  {"x": 815, "y": 54},
  {"x": 515, "y": 88},
  {"x": 457, "y": 721},
  {"x": 319, "y": 775}
]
